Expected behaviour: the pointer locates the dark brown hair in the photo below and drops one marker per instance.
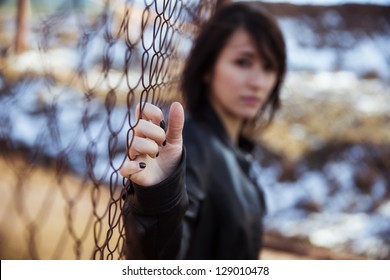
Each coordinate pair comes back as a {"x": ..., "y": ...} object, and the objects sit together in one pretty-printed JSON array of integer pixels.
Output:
[{"x": 264, "y": 31}]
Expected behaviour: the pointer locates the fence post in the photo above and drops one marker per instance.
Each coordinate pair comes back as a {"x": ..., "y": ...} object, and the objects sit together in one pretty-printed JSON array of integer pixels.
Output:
[{"x": 21, "y": 26}]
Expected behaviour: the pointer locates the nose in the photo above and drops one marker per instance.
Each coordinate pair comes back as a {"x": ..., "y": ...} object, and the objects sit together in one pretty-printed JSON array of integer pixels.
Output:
[{"x": 258, "y": 79}]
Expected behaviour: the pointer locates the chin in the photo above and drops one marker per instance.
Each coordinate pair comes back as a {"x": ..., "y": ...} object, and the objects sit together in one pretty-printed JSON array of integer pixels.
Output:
[
  {"x": 244, "y": 113},
  {"x": 249, "y": 114}
]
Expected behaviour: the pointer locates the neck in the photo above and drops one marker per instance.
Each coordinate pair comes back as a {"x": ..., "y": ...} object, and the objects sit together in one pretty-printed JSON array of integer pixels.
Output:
[{"x": 231, "y": 124}]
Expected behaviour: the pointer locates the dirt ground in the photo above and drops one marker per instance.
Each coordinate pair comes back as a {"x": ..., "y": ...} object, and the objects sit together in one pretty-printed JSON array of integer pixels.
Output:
[{"x": 46, "y": 216}]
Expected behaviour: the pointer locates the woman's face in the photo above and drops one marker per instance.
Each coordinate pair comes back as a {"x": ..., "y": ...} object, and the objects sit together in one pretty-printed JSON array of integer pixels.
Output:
[{"x": 240, "y": 81}]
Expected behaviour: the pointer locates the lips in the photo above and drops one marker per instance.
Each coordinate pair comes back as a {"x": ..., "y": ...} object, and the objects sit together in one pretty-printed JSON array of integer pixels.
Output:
[{"x": 251, "y": 100}]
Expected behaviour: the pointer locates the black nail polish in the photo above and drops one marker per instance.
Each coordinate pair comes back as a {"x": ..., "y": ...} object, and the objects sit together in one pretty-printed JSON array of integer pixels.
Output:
[
  {"x": 142, "y": 165},
  {"x": 164, "y": 143},
  {"x": 162, "y": 124}
]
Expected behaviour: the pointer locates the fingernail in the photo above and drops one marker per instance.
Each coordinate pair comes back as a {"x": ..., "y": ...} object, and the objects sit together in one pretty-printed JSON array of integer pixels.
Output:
[
  {"x": 162, "y": 124},
  {"x": 164, "y": 143},
  {"x": 142, "y": 165}
]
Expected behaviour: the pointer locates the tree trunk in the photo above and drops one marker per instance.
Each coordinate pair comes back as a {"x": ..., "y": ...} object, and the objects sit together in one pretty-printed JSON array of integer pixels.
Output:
[{"x": 21, "y": 26}]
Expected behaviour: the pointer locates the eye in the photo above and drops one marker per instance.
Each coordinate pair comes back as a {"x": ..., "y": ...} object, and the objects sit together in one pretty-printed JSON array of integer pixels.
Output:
[
  {"x": 243, "y": 62},
  {"x": 269, "y": 67}
]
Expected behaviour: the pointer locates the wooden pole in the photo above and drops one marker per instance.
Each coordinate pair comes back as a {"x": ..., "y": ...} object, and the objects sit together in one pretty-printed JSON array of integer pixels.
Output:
[{"x": 22, "y": 18}]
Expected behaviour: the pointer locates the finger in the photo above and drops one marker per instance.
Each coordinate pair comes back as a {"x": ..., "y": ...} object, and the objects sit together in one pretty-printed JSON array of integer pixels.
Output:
[
  {"x": 143, "y": 146},
  {"x": 149, "y": 112},
  {"x": 175, "y": 124},
  {"x": 147, "y": 129},
  {"x": 130, "y": 168}
]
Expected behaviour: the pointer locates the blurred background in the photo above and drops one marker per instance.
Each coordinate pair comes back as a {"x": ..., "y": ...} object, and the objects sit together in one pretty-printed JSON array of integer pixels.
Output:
[{"x": 71, "y": 72}]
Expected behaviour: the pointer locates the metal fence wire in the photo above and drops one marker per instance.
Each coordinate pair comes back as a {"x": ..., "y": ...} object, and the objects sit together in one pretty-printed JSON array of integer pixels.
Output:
[
  {"x": 67, "y": 111},
  {"x": 67, "y": 106}
]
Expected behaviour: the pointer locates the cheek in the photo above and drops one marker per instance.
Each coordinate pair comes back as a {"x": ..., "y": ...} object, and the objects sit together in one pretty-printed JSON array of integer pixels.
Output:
[
  {"x": 269, "y": 86},
  {"x": 272, "y": 79},
  {"x": 273, "y": 84}
]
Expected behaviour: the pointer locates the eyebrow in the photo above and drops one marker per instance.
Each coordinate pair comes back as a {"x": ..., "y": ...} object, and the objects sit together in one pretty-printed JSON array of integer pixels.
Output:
[{"x": 250, "y": 53}]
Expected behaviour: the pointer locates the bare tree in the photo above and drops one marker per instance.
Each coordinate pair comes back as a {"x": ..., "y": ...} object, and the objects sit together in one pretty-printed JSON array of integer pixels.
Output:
[{"x": 21, "y": 26}]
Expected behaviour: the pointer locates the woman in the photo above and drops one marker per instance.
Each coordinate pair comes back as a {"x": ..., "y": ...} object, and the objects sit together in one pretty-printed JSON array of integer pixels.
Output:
[{"x": 198, "y": 200}]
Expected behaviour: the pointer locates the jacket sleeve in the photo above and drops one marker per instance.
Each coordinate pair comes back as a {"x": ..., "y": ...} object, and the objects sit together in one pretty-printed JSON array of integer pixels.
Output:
[{"x": 153, "y": 217}]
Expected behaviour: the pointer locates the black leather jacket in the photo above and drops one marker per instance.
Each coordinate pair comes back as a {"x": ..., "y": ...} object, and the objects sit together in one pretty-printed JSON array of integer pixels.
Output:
[{"x": 209, "y": 208}]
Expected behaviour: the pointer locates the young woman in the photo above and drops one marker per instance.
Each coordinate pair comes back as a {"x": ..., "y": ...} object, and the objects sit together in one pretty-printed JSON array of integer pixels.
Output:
[{"x": 190, "y": 193}]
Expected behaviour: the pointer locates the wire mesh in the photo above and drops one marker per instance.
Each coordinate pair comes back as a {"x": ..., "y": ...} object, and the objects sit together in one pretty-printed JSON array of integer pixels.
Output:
[
  {"x": 67, "y": 106},
  {"x": 67, "y": 111}
]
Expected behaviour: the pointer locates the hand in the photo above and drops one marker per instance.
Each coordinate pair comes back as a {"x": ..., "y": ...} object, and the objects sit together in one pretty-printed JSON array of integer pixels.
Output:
[{"x": 153, "y": 155}]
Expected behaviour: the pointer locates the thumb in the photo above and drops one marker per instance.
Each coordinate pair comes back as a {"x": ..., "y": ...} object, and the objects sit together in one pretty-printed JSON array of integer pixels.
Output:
[{"x": 175, "y": 124}]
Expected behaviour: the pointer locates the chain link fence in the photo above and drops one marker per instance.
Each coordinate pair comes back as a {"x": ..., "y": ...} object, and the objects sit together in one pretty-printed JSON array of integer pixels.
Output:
[{"x": 67, "y": 111}]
